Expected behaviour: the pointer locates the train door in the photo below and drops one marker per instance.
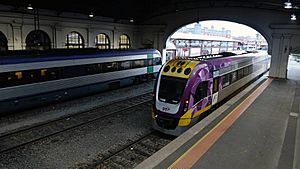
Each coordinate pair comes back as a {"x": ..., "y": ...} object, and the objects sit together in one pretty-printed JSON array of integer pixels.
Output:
[{"x": 215, "y": 90}]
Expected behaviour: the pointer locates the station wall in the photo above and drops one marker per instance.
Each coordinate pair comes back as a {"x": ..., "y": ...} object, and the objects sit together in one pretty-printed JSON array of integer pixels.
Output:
[{"x": 16, "y": 27}]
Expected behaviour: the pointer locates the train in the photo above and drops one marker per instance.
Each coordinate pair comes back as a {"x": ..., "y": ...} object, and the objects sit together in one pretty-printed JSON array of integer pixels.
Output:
[
  {"x": 30, "y": 79},
  {"x": 187, "y": 88}
]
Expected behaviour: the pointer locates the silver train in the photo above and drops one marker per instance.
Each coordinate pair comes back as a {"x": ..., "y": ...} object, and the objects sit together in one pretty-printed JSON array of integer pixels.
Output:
[{"x": 30, "y": 79}]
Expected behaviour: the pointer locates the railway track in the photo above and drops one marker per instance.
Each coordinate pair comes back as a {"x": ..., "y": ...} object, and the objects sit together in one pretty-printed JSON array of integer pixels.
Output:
[
  {"x": 134, "y": 153},
  {"x": 16, "y": 139}
]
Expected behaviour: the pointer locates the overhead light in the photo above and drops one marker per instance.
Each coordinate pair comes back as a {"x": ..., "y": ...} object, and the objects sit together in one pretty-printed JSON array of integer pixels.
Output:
[
  {"x": 288, "y": 5},
  {"x": 293, "y": 17},
  {"x": 131, "y": 20},
  {"x": 29, "y": 7},
  {"x": 91, "y": 15}
]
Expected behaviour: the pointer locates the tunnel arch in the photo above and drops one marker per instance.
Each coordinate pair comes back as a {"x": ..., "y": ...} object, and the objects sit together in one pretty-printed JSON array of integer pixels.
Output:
[
  {"x": 258, "y": 19},
  {"x": 268, "y": 39},
  {"x": 263, "y": 33},
  {"x": 206, "y": 27}
]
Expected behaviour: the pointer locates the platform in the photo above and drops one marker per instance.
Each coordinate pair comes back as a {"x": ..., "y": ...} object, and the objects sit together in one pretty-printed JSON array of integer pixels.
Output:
[{"x": 257, "y": 129}]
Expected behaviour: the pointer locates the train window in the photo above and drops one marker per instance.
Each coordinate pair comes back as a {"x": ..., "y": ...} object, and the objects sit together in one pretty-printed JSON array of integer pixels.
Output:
[
  {"x": 54, "y": 73},
  {"x": 18, "y": 75},
  {"x": 201, "y": 91},
  {"x": 110, "y": 67},
  {"x": 216, "y": 84},
  {"x": 138, "y": 63},
  {"x": 250, "y": 69},
  {"x": 240, "y": 74},
  {"x": 246, "y": 71},
  {"x": 43, "y": 72},
  {"x": 171, "y": 89},
  {"x": 125, "y": 65},
  {"x": 233, "y": 77},
  {"x": 150, "y": 62},
  {"x": 225, "y": 81},
  {"x": 92, "y": 69}
]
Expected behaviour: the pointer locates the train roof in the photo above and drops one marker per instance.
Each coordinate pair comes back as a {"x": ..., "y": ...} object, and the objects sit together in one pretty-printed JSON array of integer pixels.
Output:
[
  {"x": 23, "y": 56},
  {"x": 177, "y": 67}
]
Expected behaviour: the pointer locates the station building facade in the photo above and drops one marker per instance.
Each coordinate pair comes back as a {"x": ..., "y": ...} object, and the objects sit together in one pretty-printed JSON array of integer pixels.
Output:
[{"x": 21, "y": 31}]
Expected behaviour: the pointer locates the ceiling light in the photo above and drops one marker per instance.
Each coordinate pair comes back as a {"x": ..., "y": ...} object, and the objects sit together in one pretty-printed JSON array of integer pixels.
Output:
[
  {"x": 288, "y": 5},
  {"x": 91, "y": 15},
  {"x": 29, "y": 7},
  {"x": 293, "y": 17}
]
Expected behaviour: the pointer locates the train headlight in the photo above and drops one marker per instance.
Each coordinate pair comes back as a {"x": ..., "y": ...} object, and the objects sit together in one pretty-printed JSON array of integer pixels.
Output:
[{"x": 186, "y": 105}]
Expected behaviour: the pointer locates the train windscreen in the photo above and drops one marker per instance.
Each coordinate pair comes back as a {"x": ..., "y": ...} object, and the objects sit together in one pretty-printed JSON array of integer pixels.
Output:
[{"x": 171, "y": 89}]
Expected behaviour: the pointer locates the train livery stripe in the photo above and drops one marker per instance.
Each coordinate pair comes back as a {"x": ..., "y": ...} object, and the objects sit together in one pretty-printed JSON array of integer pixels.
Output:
[
  {"x": 150, "y": 68},
  {"x": 190, "y": 157},
  {"x": 185, "y": 120}
]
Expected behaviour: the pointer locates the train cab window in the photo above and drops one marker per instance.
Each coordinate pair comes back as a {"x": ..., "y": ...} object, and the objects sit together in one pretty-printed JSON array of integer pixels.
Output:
[
  {"x": 233, "y": 77},
  {"x": 216, "y": 85},
  {"x": 201, "y": 91},
  {"x": 171, "y": 89},
  {"x": 225, "y": 81}
]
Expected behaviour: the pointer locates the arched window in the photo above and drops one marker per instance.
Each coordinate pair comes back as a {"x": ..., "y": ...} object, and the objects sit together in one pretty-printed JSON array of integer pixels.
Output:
[
  {"x": 37, "y": 40},
  {"x": 124, "y": 42},
  {"x": 3, "y": 42},
  {"x": 74, "y": 40},
  {"x": 102, "y": 41}
]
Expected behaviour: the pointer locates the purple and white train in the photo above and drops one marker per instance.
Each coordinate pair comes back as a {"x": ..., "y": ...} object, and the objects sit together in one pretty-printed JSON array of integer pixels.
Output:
[{"x": 186, "y": 88}]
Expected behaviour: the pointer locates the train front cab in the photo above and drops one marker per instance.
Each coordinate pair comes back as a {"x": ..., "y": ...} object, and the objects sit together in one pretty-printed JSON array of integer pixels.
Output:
[{"x": 182, "y": 93}]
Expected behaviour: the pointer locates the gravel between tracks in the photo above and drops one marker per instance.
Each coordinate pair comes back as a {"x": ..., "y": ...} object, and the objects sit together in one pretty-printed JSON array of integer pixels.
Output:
[
  {"x": 39, "y": 115},
  {"x": 83, "y": 146}
]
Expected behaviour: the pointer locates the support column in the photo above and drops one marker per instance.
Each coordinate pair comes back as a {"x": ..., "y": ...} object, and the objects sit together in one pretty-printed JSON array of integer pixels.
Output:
[
  {"x": 54, "y": 41},
  {"x": 280, "y": 55},
  {"x": 60, "y": 37},
  {"x": 17, "y": 36},
  {"x": 90, "y": 38}
]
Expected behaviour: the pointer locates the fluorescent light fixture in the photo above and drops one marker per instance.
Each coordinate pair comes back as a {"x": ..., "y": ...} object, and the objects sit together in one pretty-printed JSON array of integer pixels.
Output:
[
  {"x": 288, "y": 5},
  {"x": 293, "y": 17},
  {"x": 91, "y": 15},
  {"x": 29, "y": 7}
]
